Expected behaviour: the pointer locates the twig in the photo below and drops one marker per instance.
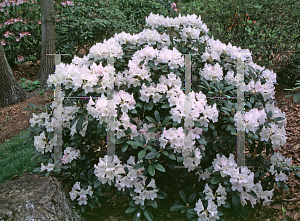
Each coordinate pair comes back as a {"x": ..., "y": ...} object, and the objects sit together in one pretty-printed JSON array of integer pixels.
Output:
[{"x": 291, "y": 200}]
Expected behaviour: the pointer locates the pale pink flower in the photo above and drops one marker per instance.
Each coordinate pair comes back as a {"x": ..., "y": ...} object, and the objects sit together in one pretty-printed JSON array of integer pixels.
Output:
[
  {"x": 6, "y": 34},
  {"x": 173, "y": 5},
  {"x": 70, "y": 3},
  {"x": 20, "y": 58},
  {"x": 64, "y": 4},
  {"x": 17, "y": 39}
]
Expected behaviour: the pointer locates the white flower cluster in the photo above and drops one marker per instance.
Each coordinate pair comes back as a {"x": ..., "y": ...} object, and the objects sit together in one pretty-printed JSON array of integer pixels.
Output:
[
  {"x": 77, "y": 191},
  {"x": 70, "y": 154},
  {"x": 49, "y": 167},
  {"x": 276, "y": 133},
  {"x": 111, "y": 170},
  {"x": 100, "y": 111},
  {"x": 212, "y": 72},
  {"x": 42, "y": 144},
  {"x": 183, "y": 144},
  {"x": 277, "y": 158},
  {"x": 253, "y": 119},
  {"x": 212, "y": 208},
  {"x": 242, "y": 182}
]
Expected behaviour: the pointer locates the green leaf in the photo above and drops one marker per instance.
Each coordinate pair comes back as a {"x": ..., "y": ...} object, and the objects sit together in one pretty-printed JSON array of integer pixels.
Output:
[
  {"x": 131, "y": 209},
  {"x": 139, "y": 165},
  {"x": 165, "y": 153},
  {"x": 141, "y": 154},
  {"x": 157, "y": 116},
  {"x": 124, "y": 147},
  {"x": 32, "y": 106},
  {"x": 56, "y": 170},
  {"x": 96, "y": 184},
  {"x": 79, "y": 123},
  {"x": 202, "y": 141},
  {"x": 151, "y": 170},
  {"x": 148, "y": 215},
  {"x": 166, "y": 120},
  {"x": 159, "y": 167},
  {"x": 228, "y": 88},
  {"x": 211, "y": 126},
  {"x": 133, "y": 143},
  {"x": 192, "y": 212},
  {"x": 279, "y": 118},
  {"x": 172, "y": 156},
  {"x": 161, "y": 195},
  {"x": 165, "y": 106},
  {"x": 236, "y": 201},
  {"x": 226, "y": 205},
  {"x": 150, "y": 119},
  {"x": 82, "y": 176},
  {"x": 285, "y": 186},
  {"x": 133, "y": 111},
  {"x": 153, "y": 203},
  {"x": 97, "y": 193},
  {"x": 140, "y": 105},
  {"x": 119, "y": 141},
  {"x": 151, "y": 155},
  {"x": 150, "y": 105},
  {"x": 183, "y": 196},
  {"x": 177, "y": 207},
  {"x": 27, "y": 109},
  {"x": 138, "y": 140},
  {"x": 216, "y": 180},
  {"x": 153, "y": 129},
  {"x": 136, "y": 217},
  {"x": 191, "y": 198},
  {"x": 297, "y": 176},
  {"x": 296, "y": 97},
  {"x": 37, "y": 170}
]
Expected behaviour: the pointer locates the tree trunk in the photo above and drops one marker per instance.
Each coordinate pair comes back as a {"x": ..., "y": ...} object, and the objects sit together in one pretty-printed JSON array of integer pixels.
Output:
[
  {"x": 33, "y": 197},
  {"x": 48, "y": 42},
  {"x": 10, "y": 91}
]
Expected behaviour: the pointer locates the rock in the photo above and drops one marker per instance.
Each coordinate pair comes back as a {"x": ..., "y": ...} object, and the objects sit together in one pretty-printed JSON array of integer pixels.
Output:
[{"x": 33, "y": 197}]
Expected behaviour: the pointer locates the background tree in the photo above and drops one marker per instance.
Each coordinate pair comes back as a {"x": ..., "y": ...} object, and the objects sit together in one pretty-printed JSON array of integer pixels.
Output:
[
  {"x": 10, "y": 91},
  {"x": 48, "y": 42}
]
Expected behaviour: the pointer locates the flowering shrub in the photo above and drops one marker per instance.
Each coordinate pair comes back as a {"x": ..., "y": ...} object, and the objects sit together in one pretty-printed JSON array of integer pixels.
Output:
[
  {"x": 150, "y": 112},
  {"x": 20, "y": 25}
]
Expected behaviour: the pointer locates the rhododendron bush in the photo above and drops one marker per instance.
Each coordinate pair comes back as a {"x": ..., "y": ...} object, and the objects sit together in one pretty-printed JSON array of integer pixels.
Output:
[{"x": 150, "y": 117}]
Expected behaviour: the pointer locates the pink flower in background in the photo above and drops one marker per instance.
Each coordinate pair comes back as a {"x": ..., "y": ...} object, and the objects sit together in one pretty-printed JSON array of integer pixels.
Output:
[
  {"x": 3, "y": 42},
  {"x": 70, "y": 3},
  {"x": 6, "y": 34},
  {"x": 40, "y": 22},
  {"x": 17, "y": 39},
  {"x": 20, "y": 58},
  {"x": 174, "y": 6},
  {"x": 64, "y": 4}
]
